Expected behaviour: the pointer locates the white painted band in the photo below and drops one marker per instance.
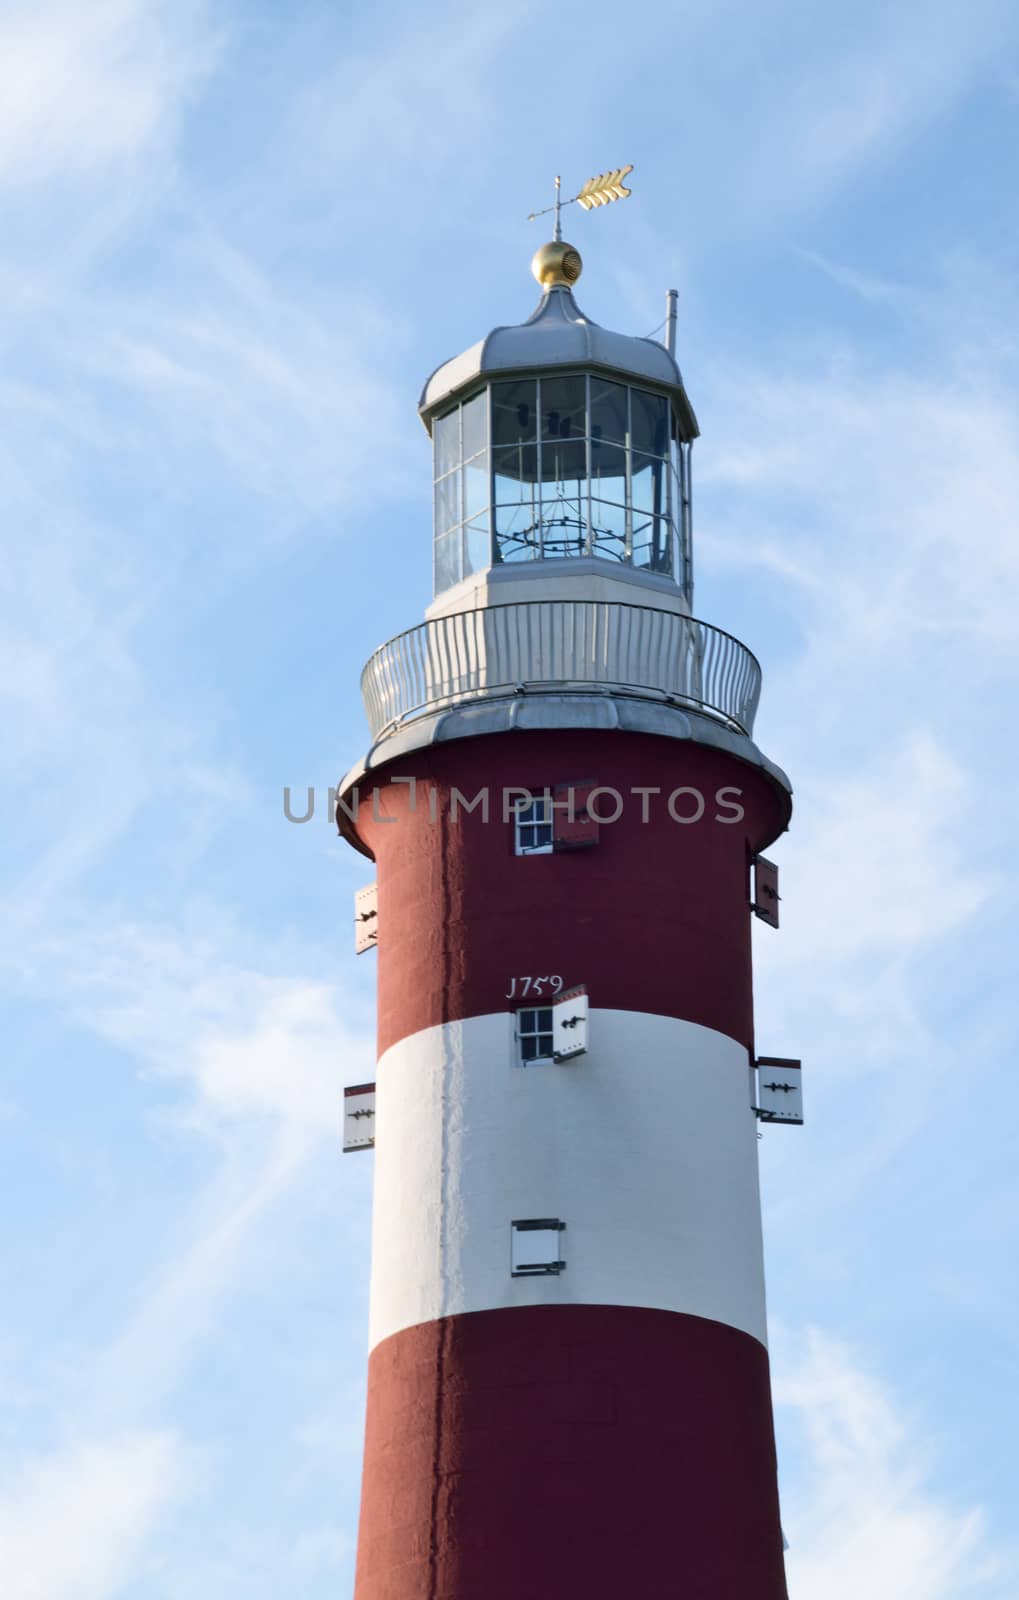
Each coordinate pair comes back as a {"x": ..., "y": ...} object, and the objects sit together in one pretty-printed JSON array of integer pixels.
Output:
[{"x": 645, "y": 1147}]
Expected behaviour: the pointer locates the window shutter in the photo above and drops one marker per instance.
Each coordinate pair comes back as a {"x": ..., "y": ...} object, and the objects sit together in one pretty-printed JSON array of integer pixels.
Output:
[
  {"x": 580, "y": 831},
  {"x": 535, "y": 1247},
  {"x": 366, "y": 918},
  {"x": 766, "y": 895},
  {"x": 359, "y": 1117},
  {"x": 569, "y": 1024},
  {"x": 779, "y": 1090}
]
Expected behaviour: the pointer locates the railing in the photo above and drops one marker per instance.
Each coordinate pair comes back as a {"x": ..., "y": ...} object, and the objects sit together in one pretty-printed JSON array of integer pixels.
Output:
[{"x": 561, "y": 646}]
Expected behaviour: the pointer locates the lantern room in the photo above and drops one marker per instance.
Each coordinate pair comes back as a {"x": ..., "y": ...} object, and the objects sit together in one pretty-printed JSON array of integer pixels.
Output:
[{"x": 557, "y": 440}]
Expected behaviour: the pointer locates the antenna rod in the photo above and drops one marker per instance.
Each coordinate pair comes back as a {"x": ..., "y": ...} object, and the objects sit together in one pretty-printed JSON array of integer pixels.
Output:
[
  {"x": 557, "y": 235},
  {"x": 671, "y": 300}
]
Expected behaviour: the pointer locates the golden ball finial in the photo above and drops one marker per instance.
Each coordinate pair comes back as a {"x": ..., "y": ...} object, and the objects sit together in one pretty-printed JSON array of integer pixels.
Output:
[{"x": 557, "y": 265}]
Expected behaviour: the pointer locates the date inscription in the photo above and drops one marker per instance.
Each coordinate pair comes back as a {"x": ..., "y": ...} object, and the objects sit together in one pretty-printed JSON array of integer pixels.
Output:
[{"x": 534, "y": 988}]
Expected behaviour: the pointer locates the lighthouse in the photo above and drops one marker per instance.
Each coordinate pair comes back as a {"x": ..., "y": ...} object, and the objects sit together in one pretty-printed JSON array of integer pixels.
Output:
[{"x": 568, "y": 1382}]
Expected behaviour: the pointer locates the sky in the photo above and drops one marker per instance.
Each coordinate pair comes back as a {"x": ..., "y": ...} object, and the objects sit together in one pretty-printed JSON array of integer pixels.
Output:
[{"x": 236, "y": 240}]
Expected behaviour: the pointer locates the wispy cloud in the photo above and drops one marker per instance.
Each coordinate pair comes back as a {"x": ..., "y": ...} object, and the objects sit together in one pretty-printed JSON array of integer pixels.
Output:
[
  {"x": 214, "y": 361},
  {"x": 821, "y": 97},
  {"x": 896, "y": 820},
  {"x": 242, "y": 1042},
  {"x": 857, "y": 508},
  {"x": 383, "y": 118},
  {"x": 73, "y": 1522},
  {"x": 255, "y": 1065},
  {"x": 86, "y": 86},
  {"x": 861, "y": 1511},
  {"x": 873, "y": 505},
  {"x": 883, "y": 478}
]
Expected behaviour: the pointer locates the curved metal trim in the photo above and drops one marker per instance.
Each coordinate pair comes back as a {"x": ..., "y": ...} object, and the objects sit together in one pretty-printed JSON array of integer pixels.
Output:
[{"x": 604, "y": 712}]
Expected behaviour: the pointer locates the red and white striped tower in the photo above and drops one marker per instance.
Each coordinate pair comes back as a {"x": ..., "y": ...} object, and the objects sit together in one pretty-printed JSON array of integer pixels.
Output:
[{"x": 568, "y": 1390}]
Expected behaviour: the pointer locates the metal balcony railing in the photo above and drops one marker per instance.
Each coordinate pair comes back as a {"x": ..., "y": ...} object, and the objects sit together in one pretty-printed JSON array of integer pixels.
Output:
[{"x": 561, "y": 647}]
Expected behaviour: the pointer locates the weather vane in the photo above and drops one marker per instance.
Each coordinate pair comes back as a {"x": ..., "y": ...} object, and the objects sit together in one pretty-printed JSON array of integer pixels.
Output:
[{"x": 599, "y": 191}]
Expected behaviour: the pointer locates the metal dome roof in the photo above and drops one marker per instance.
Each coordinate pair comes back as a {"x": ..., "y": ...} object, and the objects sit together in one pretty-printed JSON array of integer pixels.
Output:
[{"x": 557, "y": 334}]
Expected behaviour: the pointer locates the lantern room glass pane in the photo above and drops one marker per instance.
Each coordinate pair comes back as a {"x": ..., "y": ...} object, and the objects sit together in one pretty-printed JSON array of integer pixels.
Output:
[
  {"x": 608, "y": 471},
  {"x": 608, "y": 530},
  {"x": 446, "y": 442},
  {"x": 564, "y": 461},
  {"x": 564, "y": 407},
  {"x": 648, "y": 488},
  {"x": 447, "y": 560},
  {"x": 476, "y": 485},
  {"x": 518, "y": 463},
  {"x": 652, "y": 544},
  {"x": 475, "y": 425},
  {"x": 649, "y": 422},
  {"x": 514, "y": 412},
  {"x": 564, "y": 520},
  {"x": 517, "y": 531},
  {"x": 608, "y": 410},
  {"x": 517, "y": 505},
  {"x": 447, "y": 502},
  {"x": 477, "y": 545},
  {"x": 663, "y": 547}
]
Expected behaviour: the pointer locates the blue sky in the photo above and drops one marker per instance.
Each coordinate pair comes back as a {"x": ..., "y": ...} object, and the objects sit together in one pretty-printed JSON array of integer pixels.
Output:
[{"x": 236, "y": 240}]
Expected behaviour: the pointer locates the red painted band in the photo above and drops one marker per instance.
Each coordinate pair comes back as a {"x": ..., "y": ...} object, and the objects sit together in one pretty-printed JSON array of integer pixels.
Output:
[
  {"x": 652, "y": 917},
  {"x": 569, "y": 1453}
]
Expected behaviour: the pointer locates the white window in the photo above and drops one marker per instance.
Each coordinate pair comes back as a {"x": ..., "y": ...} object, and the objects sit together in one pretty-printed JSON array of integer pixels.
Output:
[
  {"x": 536, "y": 1034},
  {"x": 535, "y": 1247},
  {"x": 534, "y": 826}
]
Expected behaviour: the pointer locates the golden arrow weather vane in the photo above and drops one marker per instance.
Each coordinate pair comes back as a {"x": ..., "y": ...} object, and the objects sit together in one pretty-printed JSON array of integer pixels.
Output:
[
  {"x": 598, "y": 191},
  {"x": 605, "y": 188}
]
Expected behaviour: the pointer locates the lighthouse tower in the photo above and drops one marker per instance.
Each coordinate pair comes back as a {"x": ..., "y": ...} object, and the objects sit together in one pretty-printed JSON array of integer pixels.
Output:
[{"x": 568, "y": 1390}]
